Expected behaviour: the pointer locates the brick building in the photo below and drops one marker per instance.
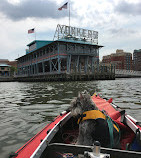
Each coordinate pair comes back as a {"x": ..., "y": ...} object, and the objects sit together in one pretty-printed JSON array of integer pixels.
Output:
[
  {"x": 121, "y": 59},
  {"x": 10, "y": 63}
]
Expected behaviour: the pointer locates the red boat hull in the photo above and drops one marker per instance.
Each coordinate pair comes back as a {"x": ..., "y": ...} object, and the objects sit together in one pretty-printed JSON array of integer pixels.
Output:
[{"x": 29, "y": 148}]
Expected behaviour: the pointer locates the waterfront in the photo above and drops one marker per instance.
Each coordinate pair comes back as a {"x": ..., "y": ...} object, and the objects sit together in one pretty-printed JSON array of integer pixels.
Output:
[{"x": 25, "y": 108}]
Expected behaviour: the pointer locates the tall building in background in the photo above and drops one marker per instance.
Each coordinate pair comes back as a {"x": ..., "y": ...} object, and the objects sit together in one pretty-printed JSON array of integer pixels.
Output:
[
  {"x": 137, "y": 60},
  {"x": 121, "y": 60}
]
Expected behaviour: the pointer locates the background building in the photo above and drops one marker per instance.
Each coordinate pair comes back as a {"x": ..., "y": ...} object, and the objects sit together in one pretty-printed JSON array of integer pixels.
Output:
[
  {"x": 4, "y": 70},
  {"x": 121, "y": 60},
  {"x": 137, "y": 60},
  {"x": 7, "y": 68}
]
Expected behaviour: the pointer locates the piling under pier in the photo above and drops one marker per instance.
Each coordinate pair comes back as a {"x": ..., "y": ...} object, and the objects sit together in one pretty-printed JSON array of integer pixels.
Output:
[{"x": 67, "y": 77}]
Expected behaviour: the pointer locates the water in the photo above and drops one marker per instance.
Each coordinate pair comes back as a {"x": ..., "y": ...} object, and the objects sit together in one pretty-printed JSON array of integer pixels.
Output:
[{"x": 25, "y": 108}]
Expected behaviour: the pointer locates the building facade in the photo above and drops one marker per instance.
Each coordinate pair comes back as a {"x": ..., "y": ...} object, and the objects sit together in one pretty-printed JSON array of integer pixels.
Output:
[
  {"x": 59, "y": 57},
  {"x": 137, "y": 60},
  {"x": 121, "y": 60}
]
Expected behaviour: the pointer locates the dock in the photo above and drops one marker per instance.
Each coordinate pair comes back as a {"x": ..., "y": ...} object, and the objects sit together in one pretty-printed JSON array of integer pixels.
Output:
[{"x": 101, "y": 73}]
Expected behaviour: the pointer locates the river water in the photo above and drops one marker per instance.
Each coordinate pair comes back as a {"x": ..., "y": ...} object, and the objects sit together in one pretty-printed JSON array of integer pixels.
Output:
[{"x": 25, "y": 108}]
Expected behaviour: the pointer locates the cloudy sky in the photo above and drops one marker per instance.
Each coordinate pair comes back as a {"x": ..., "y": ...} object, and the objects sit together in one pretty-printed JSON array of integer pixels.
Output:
[{"x": 117, "y": 21}]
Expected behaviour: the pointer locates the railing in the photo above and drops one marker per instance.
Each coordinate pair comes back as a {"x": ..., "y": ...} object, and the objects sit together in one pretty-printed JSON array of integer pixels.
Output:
[{"x": 127, "y": 73}]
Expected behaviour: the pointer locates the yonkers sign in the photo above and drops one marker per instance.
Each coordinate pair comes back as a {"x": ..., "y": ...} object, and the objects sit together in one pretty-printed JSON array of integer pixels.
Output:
[{"x": 63, "y": 31}]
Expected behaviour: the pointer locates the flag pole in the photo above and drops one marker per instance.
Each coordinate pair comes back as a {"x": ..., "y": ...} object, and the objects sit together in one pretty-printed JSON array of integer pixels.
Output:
[
  {"x": 69, "y": 13},
  {"x": 35, "y": 33}
]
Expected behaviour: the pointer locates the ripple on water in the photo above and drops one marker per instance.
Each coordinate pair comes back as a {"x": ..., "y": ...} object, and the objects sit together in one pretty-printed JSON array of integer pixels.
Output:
[{"x": 55, "y": 102}]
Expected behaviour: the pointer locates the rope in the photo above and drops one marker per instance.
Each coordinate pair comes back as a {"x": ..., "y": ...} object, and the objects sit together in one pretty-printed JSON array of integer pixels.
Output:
[
  {"x": 111, "y": 128},
  {"x": 119, "y": 132},
  {"x": 110, "y": 125}
]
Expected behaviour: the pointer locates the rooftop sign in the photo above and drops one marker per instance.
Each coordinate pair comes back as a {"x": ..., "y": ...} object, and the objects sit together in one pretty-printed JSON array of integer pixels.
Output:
[{"x": 68, "y": 32}]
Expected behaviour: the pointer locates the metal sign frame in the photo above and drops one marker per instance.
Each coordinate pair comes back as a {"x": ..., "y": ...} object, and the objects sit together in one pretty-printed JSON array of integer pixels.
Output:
[{"x": 68, "y": 32}]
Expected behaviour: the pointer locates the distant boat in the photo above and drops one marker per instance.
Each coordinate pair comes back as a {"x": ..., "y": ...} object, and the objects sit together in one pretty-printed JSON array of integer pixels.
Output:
[{"x": 58, "y": 138}]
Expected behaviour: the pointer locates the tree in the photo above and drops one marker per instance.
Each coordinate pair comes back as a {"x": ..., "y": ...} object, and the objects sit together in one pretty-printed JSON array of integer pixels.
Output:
[{"x": 13, "y": 70}]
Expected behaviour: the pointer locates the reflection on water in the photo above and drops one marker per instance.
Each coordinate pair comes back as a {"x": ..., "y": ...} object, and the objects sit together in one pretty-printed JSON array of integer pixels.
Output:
[{"x": 25, "y": 108}]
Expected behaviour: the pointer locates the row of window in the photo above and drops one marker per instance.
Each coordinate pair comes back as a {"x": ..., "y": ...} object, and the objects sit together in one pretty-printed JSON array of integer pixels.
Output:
[
  {"x": 52, "y": 49},
  {"x": 4, "y": 68}
]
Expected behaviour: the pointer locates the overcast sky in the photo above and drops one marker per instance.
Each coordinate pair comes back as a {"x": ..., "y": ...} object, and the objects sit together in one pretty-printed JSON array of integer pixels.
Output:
[{"x": 117, "y": 22}]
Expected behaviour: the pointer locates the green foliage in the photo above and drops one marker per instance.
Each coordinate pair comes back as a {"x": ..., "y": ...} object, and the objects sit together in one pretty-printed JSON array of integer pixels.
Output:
[{"x": 13, "y": 69}]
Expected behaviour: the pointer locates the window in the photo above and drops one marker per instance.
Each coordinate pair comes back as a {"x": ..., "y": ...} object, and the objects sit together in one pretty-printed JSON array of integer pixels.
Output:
[{"x": 44, "y": 52}]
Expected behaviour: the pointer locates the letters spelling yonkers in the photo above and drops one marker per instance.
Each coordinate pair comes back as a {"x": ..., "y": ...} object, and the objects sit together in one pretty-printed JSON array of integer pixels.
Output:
[{"x": 77, "y": 32}]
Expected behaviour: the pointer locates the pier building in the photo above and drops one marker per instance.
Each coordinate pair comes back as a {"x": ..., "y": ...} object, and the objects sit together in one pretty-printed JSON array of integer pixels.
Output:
[{"x": 73, "y": 54}]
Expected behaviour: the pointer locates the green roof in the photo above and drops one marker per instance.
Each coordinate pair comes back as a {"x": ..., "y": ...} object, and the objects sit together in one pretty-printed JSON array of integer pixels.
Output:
[
  {"x": 4, "y": 65},
  {"x": 39, "y": 44},
  {"x": 137, "y": 50},
  {"x": 36, "y": 41},
  {"x": 60, "y": 40}
]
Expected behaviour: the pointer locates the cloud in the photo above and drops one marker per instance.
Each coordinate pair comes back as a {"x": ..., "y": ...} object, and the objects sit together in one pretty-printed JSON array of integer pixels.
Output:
[
  {"x": 115, "y": 21},
  {"x": 31, "y": 9},
  {"x": 123, "y": 32},
  {"x": 128, "y": 8},
  {"x": 94, "y": 14}
]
